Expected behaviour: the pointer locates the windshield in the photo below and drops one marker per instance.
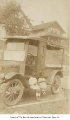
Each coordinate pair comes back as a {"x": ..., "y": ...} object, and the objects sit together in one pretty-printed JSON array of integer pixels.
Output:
[
  {"x": 15, "y": 45},
  {"x": 15, "y": 50}
]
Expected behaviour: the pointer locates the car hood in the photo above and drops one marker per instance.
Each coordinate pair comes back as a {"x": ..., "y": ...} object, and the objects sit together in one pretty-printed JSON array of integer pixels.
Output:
[
  {"x": 8, "y": 66},
  {"x": 8, "y": 63}
]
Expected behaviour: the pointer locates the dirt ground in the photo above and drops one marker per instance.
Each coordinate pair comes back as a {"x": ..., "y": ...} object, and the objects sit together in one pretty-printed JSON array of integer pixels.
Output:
[
  {"x": 51, "y": 104},
  {"x": 54, "y": 107}
]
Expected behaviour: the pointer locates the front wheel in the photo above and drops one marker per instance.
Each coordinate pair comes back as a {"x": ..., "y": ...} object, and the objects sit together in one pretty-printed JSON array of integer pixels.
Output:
[
  {"x": 55, "y": 87},
  {"x": 12, "y": 92}
]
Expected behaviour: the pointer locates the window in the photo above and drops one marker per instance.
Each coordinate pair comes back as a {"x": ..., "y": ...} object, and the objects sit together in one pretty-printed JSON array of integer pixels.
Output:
[
  {"x": 15, "y": 45},
  {"x": 33, "y": 47},
  {"x": 32, "y": 50}
]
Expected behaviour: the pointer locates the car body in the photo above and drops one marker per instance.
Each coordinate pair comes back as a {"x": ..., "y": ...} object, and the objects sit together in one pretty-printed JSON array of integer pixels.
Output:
[{"x": 23, "y": 55}]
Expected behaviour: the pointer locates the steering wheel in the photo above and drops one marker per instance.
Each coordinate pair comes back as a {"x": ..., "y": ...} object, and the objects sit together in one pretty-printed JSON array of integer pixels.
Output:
[{"x": 30, "y": 59}]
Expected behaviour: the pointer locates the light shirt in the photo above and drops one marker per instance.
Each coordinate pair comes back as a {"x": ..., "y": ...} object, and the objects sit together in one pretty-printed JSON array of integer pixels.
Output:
[
  {"x": 42, "y": 83},
  {"x": 32, "y": 81},
  {"x": 41, "y": 80}
]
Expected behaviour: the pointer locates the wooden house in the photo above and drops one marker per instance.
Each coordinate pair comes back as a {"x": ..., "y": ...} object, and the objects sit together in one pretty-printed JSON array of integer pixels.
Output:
[{"x": 52, "y": 31}]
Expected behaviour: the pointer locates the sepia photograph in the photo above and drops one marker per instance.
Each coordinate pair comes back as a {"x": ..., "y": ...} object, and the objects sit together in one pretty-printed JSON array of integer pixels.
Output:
[{"x": 34, "y": 57}]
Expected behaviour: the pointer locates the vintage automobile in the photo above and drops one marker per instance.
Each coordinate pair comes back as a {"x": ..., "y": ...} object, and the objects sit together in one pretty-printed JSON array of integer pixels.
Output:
[{"x": 23, "y": 55}]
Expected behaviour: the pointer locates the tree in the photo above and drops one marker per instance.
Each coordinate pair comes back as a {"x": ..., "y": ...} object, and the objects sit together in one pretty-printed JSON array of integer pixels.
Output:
[{"x": 14, "y": 19}]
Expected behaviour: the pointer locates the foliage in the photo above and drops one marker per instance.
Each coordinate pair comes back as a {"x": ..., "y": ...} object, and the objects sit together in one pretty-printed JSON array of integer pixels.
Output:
[{"x": 13, "y": 18}]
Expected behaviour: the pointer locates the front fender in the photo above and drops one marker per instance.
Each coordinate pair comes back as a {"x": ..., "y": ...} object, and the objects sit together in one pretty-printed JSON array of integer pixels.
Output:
[
  {"x": 10, "y": 75},
  {"x": 52, "y": 74}
]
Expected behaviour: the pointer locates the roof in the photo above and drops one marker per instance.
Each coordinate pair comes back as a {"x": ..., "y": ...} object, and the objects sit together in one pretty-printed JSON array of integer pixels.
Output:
[
  {"x": 32, "y": 38},
  {"x": 27, "y": 19},
  {"x": 25, "y": 37},
  {"x": 46, "y": 25},
  {"x": 54, "y": 35}
]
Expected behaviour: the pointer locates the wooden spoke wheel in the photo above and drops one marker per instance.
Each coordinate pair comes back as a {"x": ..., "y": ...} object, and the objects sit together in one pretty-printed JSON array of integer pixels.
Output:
[
  {"x": 13, "y": 91},
  {"x": 55, "y": 87}
]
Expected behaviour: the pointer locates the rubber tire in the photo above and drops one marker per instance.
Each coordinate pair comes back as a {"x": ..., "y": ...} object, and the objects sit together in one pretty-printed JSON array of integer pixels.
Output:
[
  {"x": 52, "y": 87},
  {"x": 6, "y": 87}
]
